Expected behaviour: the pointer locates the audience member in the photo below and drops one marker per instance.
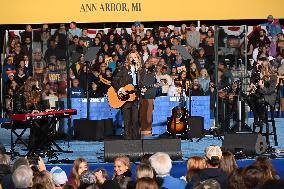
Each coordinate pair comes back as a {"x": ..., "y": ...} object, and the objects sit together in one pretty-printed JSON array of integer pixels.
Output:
[
  {"x": 7, "y": 182},
  {"x": 124, "y": 182},
  {"x": 79, "y": 166},
  {"x": 145, "y": 159},
  {"x": 204, "y": 80},
  {"x": 265, "y": 164},
  {"x": 193, "y": 37},
  {"x": 194, "y": 164},
  {"x": 87, "y": 180},
  {"x": 68, "y": 186},
  {"x": 273, "y": 184},
  {"x": 102, "y": 180},
  {"x": 228, "y": 162},
  {"x": 38, "y": 186},
  {"x": 213, "y": 155},
  {"x": 162, "y": 165},
  {"x": 144, "y": 171},
  {"x": 122, "y": 167},
  {"x": 76, "y": 91},
  {"x": 236, "y": 179},
  {"x": 196, "y": 89},
  {"x": 208, "y": 184},
  {"x": 59, "y": 177},
  {"x": 146, "y": 183},
  {"x": 44, "y": 178},
  {"x": 4, "y": 165},
  {"x": 22, "y": 177},
  {"x": 254, "y": 177}
]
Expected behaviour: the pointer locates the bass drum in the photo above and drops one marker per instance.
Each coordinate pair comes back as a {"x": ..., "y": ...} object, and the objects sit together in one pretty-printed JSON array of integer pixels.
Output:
[{"x": 177, "y": 123}]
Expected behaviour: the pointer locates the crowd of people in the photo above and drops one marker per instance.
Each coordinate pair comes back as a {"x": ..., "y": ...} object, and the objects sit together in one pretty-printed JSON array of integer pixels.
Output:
[
  {"x": 217, "y": 169},
  {"x": 40, "y": 64},
  {"x": 181, "y": 57}
]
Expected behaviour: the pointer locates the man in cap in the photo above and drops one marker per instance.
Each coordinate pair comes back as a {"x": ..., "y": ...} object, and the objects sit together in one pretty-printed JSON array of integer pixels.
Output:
[
  {"x": 213, "y": 155},
  {"x": 59, "y": 177},
  {"x": 273, "y": 26}
]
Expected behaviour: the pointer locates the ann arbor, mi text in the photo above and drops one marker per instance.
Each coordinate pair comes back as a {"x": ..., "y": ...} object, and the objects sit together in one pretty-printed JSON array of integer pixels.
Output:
[{"x": 111, "y": 7}]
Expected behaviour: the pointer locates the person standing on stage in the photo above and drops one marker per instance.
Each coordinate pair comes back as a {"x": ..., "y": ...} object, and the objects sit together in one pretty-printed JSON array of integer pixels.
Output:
[
  {"x": 29, "y": 100},
  {"x": 147, "y": 80},
  {"x": 129, "y": 74},
  {"x": 262, "y": 90}
]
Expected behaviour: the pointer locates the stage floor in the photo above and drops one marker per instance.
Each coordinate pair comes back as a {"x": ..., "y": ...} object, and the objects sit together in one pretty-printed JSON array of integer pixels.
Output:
[{"x": 93, "y": 151}]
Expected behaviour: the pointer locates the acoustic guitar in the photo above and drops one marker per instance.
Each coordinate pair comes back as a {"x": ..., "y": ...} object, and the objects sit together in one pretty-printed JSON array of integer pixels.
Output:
[
  {"x": 117, "y": 101},
  {"x": 177, "y": 123}
]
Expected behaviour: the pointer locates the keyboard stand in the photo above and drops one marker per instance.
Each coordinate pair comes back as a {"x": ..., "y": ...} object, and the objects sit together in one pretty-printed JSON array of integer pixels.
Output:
[
  {"x": 50, "y": 146},
  {"x": 15, "y": 135}
]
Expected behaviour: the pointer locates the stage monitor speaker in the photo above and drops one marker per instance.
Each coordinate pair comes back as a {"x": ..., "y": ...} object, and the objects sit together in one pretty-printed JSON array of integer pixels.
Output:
[
  {"x": 130, "y": 148},
  {"x": 88, "y": 129},
  {"x": 248, "y": 143},
  {"x": 195, "y": 127},
  {"x": 169, "y": 146},
  {"x": 108, "y": 127}
]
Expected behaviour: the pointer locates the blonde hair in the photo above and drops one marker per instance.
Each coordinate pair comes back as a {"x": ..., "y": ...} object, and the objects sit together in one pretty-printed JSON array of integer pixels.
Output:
[
  {"x": 194, "y": 164},
  {"x": 203, "y": 70},
  {"x": 127, "y": 61},
  {"x": 125, "y": 160},
  {"x": 144, "y": 171},
  {"x": 74, "y": 173},
  {"x": 228, "y": 162},
  {"x": 44, "y": 178},
  {"x": 146, "y": 183}
]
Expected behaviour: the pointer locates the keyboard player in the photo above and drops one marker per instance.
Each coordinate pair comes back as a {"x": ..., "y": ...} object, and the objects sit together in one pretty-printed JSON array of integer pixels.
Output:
[{"x": 29, "y": 100}]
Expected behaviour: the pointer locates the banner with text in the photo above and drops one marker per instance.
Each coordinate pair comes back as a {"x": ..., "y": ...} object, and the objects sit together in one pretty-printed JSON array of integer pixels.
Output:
[{"x": 64, "y": 11}]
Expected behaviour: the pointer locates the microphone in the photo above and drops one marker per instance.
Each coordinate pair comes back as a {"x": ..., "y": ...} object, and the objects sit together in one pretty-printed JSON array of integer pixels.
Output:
[{"x": 133, "y": 62}]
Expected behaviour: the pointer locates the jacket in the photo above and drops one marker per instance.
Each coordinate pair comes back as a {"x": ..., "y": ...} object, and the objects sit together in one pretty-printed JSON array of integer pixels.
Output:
[{"x": 209, "y": 173}]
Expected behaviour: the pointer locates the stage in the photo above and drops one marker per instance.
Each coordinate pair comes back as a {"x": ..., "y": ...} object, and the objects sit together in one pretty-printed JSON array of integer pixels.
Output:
[{"x": 93, "y": 151}]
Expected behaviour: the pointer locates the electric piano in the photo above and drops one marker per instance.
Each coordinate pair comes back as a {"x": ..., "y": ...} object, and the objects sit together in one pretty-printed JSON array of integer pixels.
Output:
[
  {"x": 35, "y": 122},
  {"x": 43, "y": 115}
]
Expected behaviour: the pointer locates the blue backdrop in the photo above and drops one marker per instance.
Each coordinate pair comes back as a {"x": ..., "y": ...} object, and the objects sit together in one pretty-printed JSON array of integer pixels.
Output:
[{"x": 100, "y": 109}]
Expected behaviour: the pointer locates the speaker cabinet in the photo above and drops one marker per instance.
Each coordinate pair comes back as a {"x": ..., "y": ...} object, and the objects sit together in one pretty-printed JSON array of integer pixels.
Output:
[
  {"x": 249, "y": 143},
  {"x": 169, "y": 146},
  {"x": 195, "y": 127},
  {"x": 88, "y": 129},
  {"x": 130, "y": 148},
  {"x": 108, "y": 127},
  {"x": 135, "y": 149},
  {"x": 93, "y": 129}
]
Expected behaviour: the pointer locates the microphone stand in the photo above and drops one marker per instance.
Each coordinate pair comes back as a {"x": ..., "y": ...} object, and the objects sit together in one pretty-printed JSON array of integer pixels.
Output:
[
  {"x": 69, "y": 102},
  {"x": 138, "y": 97},
  {"x": 87, "y": 90}
]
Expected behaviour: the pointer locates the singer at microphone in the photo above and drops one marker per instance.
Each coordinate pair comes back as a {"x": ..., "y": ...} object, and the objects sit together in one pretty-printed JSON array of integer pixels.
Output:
[{"x": 128, "y": 74}]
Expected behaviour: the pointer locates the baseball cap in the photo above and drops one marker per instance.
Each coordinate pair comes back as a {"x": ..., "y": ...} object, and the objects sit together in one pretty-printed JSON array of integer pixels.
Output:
[
  {"x": 51, "y": 64},
  {"x": 137, "y": 23},
  {"x": 154, "y": 50},
  {"x": 11, "y": 74},
  {"x": 270, "y": 17},
  {"x": 213, "y": 151},
  {"x": 59, "y": 176}
]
